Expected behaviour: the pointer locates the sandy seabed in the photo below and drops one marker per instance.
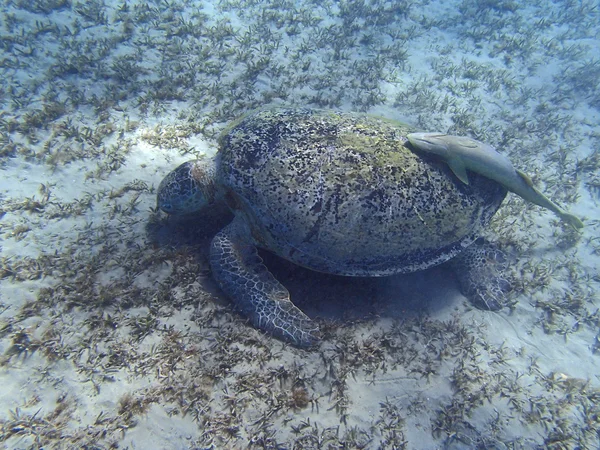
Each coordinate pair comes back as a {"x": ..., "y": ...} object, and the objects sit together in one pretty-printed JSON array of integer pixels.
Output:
[{"x": 112, "y": 332}]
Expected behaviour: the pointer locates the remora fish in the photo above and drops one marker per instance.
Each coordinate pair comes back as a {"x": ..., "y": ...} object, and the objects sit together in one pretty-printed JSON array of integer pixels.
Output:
[{"x": 462, "y": 153}]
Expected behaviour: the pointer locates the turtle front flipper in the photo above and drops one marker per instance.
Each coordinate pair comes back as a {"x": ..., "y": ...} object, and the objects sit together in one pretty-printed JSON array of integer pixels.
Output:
[
  {"x": 481, "y": 272},
  {"x": 241, "y": 274}
]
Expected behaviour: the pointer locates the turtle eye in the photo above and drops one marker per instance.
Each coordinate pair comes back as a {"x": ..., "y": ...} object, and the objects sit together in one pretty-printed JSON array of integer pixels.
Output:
[{"x": 166, "y": 207}]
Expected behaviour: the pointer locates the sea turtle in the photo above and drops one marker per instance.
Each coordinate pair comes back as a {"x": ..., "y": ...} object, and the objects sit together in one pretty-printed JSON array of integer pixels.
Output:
[{"x": 340, "y": 193}]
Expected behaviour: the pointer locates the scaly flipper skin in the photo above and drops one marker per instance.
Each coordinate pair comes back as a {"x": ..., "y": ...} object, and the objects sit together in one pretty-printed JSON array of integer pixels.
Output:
[
  {"x": 480, "y": 271},
  {"x": 240, "y": 273}
]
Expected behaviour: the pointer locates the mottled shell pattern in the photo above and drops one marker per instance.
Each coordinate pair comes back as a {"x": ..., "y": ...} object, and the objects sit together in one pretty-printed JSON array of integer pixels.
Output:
[{"x": 343, "y": 193}]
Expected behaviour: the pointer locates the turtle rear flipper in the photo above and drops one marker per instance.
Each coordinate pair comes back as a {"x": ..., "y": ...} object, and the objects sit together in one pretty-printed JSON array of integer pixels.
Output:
[
  {"x": 240, "y": 273},
  {"x": 481, "y": 272}
]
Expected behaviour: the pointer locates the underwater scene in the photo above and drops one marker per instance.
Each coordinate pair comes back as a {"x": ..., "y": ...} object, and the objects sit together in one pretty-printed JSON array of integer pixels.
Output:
[{"x": 247, "y": 224}]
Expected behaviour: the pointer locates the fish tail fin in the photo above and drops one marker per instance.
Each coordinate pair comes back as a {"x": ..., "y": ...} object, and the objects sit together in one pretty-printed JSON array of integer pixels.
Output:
[
  {"x": 572, "y": 220},
  {"x": 543, "y": 201}
]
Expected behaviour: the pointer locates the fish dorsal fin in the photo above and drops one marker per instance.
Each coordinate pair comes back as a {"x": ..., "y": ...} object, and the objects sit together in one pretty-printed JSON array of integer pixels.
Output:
[
  {"x": 525, "y": 177},
  {"x": 458, "y": 167}
]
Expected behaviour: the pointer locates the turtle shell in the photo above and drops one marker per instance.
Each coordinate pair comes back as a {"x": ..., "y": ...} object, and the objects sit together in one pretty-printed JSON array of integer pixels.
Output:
[{"x": 343, "y": 193}]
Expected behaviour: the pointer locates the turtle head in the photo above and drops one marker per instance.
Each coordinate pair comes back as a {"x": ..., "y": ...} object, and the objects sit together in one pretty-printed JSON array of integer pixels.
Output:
[{"x": 189, "y": 188}]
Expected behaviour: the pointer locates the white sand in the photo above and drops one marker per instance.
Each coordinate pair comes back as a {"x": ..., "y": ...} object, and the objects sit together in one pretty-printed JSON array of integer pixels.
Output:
[{"x": 111, "y": 329}]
